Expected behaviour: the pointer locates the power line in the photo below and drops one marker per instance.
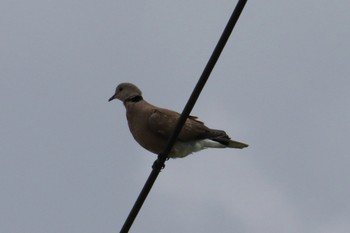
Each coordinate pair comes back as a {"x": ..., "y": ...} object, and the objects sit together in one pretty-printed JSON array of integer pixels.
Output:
[{"x": 160, "y": 162}]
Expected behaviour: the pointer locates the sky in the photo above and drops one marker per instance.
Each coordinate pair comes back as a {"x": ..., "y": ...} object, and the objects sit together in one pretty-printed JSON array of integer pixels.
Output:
[{"x": 69, "y": 163}]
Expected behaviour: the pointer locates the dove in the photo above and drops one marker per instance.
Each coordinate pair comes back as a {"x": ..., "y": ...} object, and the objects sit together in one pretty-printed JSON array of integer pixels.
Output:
[{"x": 151, "y": 126}]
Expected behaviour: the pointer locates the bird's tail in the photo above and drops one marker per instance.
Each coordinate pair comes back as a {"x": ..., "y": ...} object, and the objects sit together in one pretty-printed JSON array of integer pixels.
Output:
[
  {"x": 231, "y": 143},
  {"x": 235, "y": 144},
  {"x": 221, "y": 137}
]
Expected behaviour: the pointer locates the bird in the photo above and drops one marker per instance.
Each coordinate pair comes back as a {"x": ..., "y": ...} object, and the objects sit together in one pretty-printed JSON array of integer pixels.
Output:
[{"x": 151, "y": 126}]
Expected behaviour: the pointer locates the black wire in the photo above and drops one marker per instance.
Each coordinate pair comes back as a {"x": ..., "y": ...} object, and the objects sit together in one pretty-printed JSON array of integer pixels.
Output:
[{"x": 160, "y": 162}]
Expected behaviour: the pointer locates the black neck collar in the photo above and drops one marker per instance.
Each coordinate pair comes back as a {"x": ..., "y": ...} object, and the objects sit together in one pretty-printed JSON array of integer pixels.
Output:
[{"x": 135, "y": 99}]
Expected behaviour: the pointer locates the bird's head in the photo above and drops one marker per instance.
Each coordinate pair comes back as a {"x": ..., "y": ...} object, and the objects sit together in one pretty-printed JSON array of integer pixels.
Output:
[{"x": 127, "y": 92}]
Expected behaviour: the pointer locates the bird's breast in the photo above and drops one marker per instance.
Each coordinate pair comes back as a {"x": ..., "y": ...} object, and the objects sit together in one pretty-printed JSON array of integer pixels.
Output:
[{"x": 148, "y": 139}]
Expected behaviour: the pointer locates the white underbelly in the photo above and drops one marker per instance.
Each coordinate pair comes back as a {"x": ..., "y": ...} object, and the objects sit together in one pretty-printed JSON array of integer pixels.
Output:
[{"x": 182, "y": 149}]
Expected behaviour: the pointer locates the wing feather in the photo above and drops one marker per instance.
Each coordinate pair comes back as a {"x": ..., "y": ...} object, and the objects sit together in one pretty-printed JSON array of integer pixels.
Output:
[{"x": 163, "y": 121}]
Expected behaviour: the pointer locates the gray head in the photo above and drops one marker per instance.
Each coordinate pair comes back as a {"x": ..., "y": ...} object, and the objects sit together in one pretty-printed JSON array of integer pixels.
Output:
[{"x": 126, "y": 91}]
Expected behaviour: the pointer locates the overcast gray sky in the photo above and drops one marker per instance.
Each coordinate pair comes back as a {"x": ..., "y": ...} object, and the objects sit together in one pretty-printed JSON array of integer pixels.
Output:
[{"x": 69, "y": 164}]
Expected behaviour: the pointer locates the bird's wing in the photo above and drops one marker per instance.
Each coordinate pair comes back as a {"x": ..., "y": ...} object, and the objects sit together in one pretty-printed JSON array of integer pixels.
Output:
[{"x": 163, "y": 121}]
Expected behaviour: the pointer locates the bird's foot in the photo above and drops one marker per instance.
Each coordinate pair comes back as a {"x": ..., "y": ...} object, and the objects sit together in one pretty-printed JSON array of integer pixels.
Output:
[{"x": 159, "y": 164}]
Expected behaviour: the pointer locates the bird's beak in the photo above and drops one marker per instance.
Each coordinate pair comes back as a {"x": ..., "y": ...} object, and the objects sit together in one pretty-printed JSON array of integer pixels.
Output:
[{"x": 112, "y": 98}]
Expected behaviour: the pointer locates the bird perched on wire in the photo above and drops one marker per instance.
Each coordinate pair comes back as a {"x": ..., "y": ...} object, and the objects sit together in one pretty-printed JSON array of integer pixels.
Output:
[{"x": 151, "y": 126}]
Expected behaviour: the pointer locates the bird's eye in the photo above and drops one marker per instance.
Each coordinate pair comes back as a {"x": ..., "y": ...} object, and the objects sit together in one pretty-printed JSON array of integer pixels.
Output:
[{"x": 120, "y": 89}]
